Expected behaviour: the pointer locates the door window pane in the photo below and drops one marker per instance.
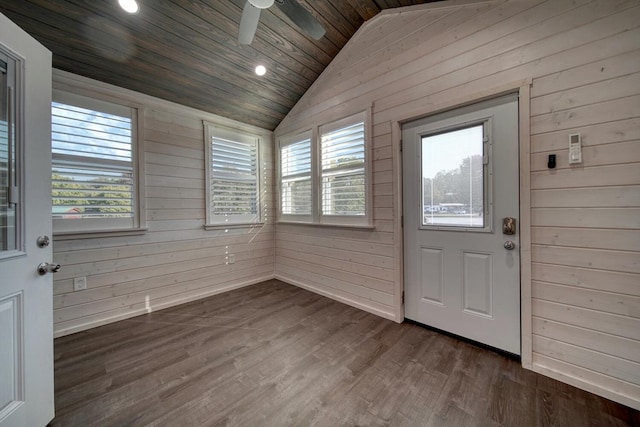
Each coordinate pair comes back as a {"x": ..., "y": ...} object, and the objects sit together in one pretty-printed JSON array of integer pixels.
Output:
[
  {"x": 453, "y": 193},
  {"x": 8, "y": 226}
]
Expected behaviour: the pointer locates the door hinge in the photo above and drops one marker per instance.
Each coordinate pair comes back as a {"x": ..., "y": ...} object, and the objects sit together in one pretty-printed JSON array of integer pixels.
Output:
[
  {"x": 14, "y": 195},
  {"x": 403, "y": 297},
  {"x": 401, "y": 221},
  {"x": 401, "y": 146}
]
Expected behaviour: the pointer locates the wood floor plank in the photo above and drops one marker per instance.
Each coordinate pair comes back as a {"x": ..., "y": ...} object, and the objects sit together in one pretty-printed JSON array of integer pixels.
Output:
[{"x": 276, "y": 355}]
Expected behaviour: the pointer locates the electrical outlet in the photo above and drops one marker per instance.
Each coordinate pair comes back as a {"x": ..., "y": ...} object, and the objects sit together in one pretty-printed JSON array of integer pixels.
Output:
[
  {"x": 79, "y": 283},
  {"x": 232, "y": 258}
]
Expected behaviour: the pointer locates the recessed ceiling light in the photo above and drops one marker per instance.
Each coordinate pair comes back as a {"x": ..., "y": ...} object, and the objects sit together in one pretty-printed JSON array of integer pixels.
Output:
[
  {"x": 261, "y": 70},
  {"x": 130, "y": 6}
]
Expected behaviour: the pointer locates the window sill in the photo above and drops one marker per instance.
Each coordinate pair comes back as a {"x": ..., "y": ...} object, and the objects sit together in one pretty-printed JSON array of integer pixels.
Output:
[
  {"x": 329, "y": 225},
  {"x": 239, "y": 225},
  {"x": 92, "y": 234}
]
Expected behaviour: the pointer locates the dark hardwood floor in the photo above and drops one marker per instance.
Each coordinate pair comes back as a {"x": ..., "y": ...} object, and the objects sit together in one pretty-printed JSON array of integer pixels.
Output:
[{"x": 277, "y": 355}]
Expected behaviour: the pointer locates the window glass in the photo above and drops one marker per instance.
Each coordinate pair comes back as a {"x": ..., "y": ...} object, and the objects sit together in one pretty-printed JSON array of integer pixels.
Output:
[
  {"x": 324, "y": 173},
  {"x": 295, "y": 169},
  {"x": 232, "y": 177},
  {"x": 453, "y": 192},
  {"x": 92, "y": 163},
  {"x": 343, "y": 170},
  {"x": 8, "y": 165}
]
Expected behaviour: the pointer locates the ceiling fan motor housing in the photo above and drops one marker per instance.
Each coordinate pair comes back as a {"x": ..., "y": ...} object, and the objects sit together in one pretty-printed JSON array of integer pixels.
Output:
[{"x": 262, "y": 4}]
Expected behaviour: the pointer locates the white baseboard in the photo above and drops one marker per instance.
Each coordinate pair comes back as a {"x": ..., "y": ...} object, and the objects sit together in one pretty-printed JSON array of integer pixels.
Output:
[
  {"x": 591, "y": 386},
  {"x": 180, "y": 299},
  {"x": 352, "y": 302}
]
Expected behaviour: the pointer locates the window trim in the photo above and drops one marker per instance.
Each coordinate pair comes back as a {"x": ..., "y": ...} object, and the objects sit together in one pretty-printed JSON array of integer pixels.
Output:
[
  {"x": 317, "y": 218},
  {"x": 212, "y": 130},
  {"x": 93, "y": 227}
]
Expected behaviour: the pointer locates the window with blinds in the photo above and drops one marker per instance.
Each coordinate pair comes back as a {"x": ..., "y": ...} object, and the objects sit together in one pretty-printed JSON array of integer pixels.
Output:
[
  {"x": 232, "y": 177},
  {"x": 324, "y": 174},
  {"x": 342, "y": 152},
  {"x": 92, "y": 164},
  {"x": 295, "y": 172}
]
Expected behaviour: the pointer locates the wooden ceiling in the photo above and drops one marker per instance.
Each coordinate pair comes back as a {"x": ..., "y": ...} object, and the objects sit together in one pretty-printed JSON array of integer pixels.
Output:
[{"x": 186, "y": 51}]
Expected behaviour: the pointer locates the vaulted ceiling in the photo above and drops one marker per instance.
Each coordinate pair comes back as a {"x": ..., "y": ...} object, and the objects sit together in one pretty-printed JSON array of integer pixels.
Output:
[{"x": 186, "y": 51}]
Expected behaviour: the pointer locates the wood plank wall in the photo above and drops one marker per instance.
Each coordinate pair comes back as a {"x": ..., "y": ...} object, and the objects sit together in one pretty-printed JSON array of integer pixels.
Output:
[
  {"x": 583, "y": 57},
  {"x": 176, "y": 260}
]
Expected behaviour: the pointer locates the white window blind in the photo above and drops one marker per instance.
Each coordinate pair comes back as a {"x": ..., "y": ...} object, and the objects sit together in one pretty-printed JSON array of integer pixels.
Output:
[
  {"x": 233, "y": 178},
  {"x": 295, "y": 172},
  {"x": 92, "y": 163},
  {"x": 343, "y": 170}
]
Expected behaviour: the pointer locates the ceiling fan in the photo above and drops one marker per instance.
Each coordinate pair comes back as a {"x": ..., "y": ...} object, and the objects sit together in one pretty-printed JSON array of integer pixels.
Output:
[{"x": 298, "y": 15}]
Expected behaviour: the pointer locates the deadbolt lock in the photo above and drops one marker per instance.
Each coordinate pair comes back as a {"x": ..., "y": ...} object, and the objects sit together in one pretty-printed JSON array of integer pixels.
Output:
[
  {"x": 509, "y": 226},
  {"x": 43, "y": 241}
]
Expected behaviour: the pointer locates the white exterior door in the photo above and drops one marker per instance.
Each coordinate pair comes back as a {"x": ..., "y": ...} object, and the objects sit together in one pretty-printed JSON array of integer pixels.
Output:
[
  {"x": 26, "y": 320},
  {"x": 461, "y": 182}
]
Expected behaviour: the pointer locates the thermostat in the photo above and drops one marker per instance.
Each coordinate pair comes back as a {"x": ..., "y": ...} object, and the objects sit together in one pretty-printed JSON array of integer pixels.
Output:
[{"x": 575, "y": 148}]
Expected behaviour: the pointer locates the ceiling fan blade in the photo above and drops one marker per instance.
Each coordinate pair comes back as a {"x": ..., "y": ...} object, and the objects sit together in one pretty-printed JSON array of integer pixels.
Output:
[
  {"x": 302, "y": 18},
  {"x": 248, "y": 23}
]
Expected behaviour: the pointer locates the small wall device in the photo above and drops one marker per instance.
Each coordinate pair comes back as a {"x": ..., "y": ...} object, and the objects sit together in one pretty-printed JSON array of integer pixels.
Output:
[{"x": 575, "y": 148}]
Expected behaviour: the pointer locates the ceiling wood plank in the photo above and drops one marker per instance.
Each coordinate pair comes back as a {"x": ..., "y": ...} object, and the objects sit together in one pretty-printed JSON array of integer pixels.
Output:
[
  {"x": 348, "y": 12},
  {"x": 329, "y": 16},
  {"x": 186, "y": 51},
  {"x": 366, "y": 8},
  {"x": 105, "y": 42}
]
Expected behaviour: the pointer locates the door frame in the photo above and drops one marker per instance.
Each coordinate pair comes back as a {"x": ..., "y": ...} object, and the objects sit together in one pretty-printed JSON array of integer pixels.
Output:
[{"x": 523, "y": 88}]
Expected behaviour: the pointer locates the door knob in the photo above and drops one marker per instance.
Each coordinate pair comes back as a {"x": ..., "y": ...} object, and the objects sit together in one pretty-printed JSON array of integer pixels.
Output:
[
  {"x": 509, "y": 245},
  {"x": 45, "y": 267},
  {"x": 43, "y": 241}
]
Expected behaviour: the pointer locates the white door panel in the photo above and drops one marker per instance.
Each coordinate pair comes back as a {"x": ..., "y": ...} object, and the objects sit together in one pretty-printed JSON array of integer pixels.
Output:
[
  {"x": 460, "y": 180},
  {"x": 26, "y": 320}
]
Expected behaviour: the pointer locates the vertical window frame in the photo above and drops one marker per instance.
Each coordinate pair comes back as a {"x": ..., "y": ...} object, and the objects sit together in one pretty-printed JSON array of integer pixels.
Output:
[
  {"x": 213, "y": 130},
  {"x": 95, "y": 227}
]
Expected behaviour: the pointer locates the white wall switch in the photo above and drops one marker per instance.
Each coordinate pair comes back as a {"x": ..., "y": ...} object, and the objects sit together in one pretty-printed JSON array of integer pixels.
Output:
[
  {"x": 79, "y": 283},
  {"x": 575, "y": 148},
  {"x": 232, "y": 258}
]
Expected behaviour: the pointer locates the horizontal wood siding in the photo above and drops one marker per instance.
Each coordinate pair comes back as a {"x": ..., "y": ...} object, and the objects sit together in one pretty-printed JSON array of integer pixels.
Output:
[
  {"x": 350, "y": 265},
  {"x": 583, "y": 59},
  {"x": 176, "y": 260}
]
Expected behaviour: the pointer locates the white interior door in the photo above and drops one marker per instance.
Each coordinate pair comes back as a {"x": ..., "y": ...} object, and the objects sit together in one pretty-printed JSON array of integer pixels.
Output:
[
  {"x": 26, "y": 320},
  {"x": 462, "y": 272}
]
